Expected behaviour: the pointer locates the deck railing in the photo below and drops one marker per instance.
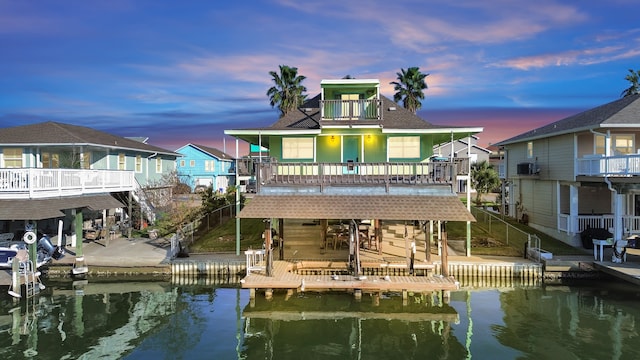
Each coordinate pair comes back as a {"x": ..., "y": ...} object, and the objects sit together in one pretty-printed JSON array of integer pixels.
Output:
[
  {"x": 30, "y": 183},
  {"x": 600, "y": 165},
  {"x": 356, "y": 173},
  {"x": 630, "y": 223},
  {"x": 351, "y": 109}
]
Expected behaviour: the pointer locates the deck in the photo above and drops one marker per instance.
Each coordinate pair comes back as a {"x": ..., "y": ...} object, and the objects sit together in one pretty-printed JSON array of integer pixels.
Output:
[{"x": 284, "y": 276}]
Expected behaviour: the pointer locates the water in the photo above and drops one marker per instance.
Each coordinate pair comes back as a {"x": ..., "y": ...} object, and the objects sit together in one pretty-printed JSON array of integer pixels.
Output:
[{"x": 157, "y": 320}]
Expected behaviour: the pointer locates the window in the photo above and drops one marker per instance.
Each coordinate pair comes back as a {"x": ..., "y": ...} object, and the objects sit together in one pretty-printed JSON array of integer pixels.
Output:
[
  {"x": 158, "y": 165},
  {"x": 209, "y": 165},
  {"x": 622, "y": 144},
  {"x": 85, "y": 160},
  {"x": 192, "y": 163},
  {"x": 404, "y": 147},
  {"x": 122, "y": 162},
  {"x": 599, "y": 145},
  {"x": 297, "y": 148},
  {"x": 182, "y": 163},
  {"x": 138, "y": 163},
  {"x": 12, "y": 157},
  {"x": 50, "y": 160},
  {"x": 530, "y": 150}
]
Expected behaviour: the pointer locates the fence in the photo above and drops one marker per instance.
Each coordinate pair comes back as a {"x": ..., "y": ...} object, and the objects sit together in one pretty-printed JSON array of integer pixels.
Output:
[
  {"x": 506, "y": 233},
  {"x": 187, "y": 233}
]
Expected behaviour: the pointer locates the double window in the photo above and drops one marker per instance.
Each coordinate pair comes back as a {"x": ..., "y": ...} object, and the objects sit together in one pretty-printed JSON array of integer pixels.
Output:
[
  {"x": 621, "y": 144},
  {"x": 404, "y": 147},
  {"x": 297, "y": 148},
  {"x": 12, "y": 157}
]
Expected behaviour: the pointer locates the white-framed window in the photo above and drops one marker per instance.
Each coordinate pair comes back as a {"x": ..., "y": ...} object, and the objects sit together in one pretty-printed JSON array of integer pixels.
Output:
[
  {"x": 622, "y": 144},
  {"x": 50, "y": 160},
  {"x": 158, "y": 165},
  {"x": 192, "y": 163},
  {"x": 530, "y": 150},
  {"x": 122, "y": 161},
  {"x": 599, "y": 144},
  {"x": 297, "y": 148},
  {"x": 12, "y": 157},
  {"x": 209, "y": 165},
  {"x": 138, "y": 163},
  {"x": 182, "y": 163},
  {"x": 404, "y": 147}
]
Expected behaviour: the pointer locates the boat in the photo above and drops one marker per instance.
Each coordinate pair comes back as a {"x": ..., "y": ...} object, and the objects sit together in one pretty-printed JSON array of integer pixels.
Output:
[{"x": 46, "y": 252}]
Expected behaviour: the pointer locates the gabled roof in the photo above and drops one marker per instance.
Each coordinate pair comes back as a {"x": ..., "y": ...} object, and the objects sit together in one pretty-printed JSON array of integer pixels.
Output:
[
  {"x": 624, "y": 112},
  {"x": 210, "y": 151},
  {"x": 52, "y": 133}
]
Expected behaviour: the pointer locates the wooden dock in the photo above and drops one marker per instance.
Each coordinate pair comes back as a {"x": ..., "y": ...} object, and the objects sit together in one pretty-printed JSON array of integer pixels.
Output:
[{"x": 284, "y": 276}]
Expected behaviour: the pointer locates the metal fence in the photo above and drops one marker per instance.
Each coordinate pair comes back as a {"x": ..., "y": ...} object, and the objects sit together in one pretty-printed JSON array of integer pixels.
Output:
[
  {"x": 508, "y": 234},
  {"x": 187, "y": 233}
]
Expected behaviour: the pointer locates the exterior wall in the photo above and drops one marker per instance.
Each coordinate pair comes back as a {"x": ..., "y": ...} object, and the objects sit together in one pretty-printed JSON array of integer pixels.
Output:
[
  {"x": 198, "y": 174},
  {"x": 558, "y": 158}
]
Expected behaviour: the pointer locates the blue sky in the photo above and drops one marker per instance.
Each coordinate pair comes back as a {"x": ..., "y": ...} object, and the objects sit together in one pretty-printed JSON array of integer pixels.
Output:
[{"x": 180, "y": 72}]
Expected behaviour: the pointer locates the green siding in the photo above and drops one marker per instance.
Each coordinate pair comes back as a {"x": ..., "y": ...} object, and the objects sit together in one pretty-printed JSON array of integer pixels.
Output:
[
  {"x": 328, "y": 150},
  {"x": 375, "y": 148}
]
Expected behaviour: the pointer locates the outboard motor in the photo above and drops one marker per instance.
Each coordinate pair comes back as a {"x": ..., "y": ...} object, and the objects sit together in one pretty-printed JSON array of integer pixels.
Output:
[{"x": 49, "y": 249}]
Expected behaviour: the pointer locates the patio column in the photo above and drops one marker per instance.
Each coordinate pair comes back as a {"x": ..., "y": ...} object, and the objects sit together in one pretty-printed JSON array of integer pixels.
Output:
[
  {"x": 573, "y": 210},
  {"x": 618, "y": 201}
]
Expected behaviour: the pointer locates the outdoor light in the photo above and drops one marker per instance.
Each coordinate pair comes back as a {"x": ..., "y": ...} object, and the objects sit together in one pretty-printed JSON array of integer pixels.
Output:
[{"x": 333, "y": 138}]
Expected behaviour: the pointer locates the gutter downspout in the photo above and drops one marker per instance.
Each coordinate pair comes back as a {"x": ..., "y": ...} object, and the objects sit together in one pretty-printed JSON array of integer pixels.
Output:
[{"x": 617, "y": 218}]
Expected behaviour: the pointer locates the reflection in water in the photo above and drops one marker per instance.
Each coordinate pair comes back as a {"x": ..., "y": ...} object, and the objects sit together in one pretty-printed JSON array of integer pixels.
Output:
[{"x": 156, "y": 320}]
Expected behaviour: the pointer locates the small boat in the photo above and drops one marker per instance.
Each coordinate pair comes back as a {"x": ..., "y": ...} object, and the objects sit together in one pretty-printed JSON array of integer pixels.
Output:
[{"x": 46, "y": 252}]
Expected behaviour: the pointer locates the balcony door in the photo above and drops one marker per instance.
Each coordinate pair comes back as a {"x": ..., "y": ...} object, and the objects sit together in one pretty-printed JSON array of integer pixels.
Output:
[
  {"x": 350, "y": 153},
  {"x": 350, "y": 106}
]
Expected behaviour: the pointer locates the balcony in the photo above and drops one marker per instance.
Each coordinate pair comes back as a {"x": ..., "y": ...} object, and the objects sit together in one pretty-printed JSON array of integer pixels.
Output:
[
  {"x": 36, "y": 183},
  {"x": 351, "y": 110},
  {"x": 361, "y": 174},
  {"x": 600, "y": 165}
]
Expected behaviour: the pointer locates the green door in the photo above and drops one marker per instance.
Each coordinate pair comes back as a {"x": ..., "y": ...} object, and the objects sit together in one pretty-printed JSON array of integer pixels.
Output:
[{"x": 350, "y": 153}]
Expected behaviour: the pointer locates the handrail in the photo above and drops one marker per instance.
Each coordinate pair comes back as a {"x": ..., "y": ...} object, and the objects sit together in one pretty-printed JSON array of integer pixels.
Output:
[
  {"x": 30, "y": 183},
  {"x": 360, "y": 173}
]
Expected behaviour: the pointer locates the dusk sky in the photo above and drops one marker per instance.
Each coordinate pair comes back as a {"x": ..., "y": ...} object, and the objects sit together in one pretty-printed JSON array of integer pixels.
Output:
[{"x": 184, "y": 71}]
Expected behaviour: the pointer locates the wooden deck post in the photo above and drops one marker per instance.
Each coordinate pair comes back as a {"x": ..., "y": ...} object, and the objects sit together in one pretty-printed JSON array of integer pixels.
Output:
[
  {"x": 281, "y": 236},
  {"x": 445, "y": 261}
]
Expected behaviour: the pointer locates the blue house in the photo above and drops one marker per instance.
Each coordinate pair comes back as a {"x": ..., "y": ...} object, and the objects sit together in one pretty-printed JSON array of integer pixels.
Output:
[{"x": 202, "y": 166}]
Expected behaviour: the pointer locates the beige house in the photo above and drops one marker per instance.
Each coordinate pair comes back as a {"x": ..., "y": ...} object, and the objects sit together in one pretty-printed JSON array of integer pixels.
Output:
[{"x": 579, "y": 172}]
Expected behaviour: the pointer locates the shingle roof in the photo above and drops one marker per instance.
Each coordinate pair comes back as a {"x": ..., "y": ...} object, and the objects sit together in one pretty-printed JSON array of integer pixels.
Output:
[
  {"x": 621, "y": 112},
  {"x": 38, "y": 209},
  {"x": 307, "y": 116},
  {"x": 385, "y": 207},
  {"x": 54, "y": 133},
  {"x": 214, "y": 152}
]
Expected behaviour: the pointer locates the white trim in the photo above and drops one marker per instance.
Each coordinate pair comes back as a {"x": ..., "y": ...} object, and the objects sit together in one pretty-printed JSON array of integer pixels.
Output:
[
  {"x": 273, "y": 132},
  {"x": 431, "y": 131}
]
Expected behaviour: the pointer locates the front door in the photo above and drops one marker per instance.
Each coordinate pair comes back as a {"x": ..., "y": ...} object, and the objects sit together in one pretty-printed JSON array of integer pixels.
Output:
[{"x": 350, "y": 153}]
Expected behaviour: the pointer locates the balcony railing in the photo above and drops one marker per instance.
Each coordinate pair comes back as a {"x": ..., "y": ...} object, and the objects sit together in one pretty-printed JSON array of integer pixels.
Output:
[
  {"x": 359, "y": 174},
  {"x": 577, "y": 224},
  {"x": 33, "y": 183},
  {"x": 351, "y": 109},
  {"x": 599, "y": 165}
]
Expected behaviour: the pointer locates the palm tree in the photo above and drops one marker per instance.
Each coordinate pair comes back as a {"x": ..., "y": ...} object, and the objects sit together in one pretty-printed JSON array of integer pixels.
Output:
[
  {"x": 484, "y": 179},
  {"x": 409, "y": 88},
  {"x": 633, "y": 78},
  {"x": 287, "y": 94}
]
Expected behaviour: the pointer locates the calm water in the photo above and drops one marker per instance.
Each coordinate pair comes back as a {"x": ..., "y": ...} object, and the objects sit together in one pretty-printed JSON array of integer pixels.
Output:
[{"x": 155, "y": 320}]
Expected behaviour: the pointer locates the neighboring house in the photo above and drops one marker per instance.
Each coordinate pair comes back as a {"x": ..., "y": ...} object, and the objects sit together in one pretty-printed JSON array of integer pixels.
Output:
[
  {"x": 465, "y": 147},
  {"x": 579, "y": 172},
  {"x": 52, "y": 171},
  {"x": 351, "y": 153},
  {"x": 202, "y": 166}
]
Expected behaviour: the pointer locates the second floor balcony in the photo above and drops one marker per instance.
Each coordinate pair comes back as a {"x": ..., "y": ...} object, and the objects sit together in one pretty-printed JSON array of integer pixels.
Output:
[
  {"x": 357, "y": 174},
  {"x": 600, "y": 165},
  {"x": 38, "y": 183},
  {"x": 350, "y": 110}
]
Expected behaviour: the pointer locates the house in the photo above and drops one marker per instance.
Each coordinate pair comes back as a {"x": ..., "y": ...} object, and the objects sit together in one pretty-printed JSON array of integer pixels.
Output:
[
  {"x": 465, "y": 147},
  {"x": 579, "y": 172},
  {"x": 202, "y": 166},
  {"x": 53, "y": 171},
  {"x": 351, "y": 153}
]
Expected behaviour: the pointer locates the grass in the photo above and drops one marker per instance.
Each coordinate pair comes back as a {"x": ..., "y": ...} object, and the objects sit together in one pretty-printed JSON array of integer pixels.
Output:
[{"x": 223, "y": 238}]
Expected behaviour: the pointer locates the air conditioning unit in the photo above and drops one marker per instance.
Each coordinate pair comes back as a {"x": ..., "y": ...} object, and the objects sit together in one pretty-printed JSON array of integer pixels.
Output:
[{"x": 525, "y": 169}]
